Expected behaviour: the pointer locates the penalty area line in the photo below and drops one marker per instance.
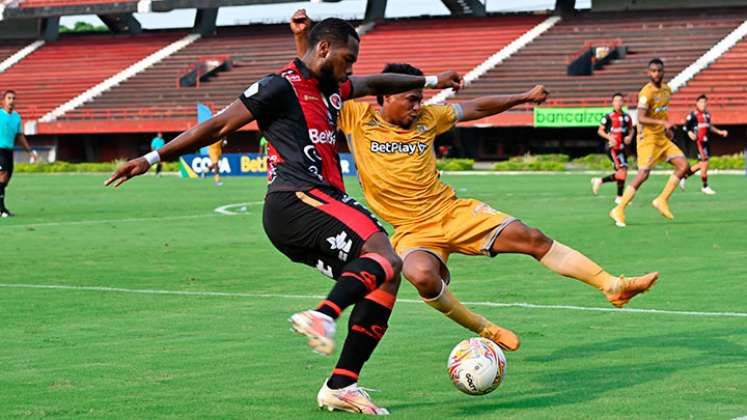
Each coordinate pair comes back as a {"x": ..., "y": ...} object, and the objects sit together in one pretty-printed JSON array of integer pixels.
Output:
[{"x": 408, "y": 301}]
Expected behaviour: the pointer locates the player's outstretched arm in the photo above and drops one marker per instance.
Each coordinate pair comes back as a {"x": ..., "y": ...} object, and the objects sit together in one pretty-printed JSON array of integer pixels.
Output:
[
  {"x": 490, "y": 105},
  {"x": 716, "y": 130},
  {"x": 300, "y": 25},
  {"x": 210, "y": 131},
  {"x": 391, "y": 83}
]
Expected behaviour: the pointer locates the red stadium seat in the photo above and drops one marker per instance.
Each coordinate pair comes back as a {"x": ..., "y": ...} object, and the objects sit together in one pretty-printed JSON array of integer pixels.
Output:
[
  {"x": 61, "y": 70},
  {"x": 678, "y": 37}
]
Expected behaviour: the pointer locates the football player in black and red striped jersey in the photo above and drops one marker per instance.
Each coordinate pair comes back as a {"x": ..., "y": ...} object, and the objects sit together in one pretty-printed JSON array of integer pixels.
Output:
[
  {"x": 697, "y": 126},
  {"x": 617, "y": 128},
  {"x": 307, "y": 214}
]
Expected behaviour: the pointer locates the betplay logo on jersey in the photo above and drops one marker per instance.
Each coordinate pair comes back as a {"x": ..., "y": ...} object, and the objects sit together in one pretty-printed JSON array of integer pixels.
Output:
[
  {"x": 399, "y": 147},
  {"x": 322, "y": 136}
]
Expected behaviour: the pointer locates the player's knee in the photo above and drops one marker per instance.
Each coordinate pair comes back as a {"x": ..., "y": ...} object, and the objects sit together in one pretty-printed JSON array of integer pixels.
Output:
[
  {"x": 424, "y": 278},
  {"x": 390, "y": 262},
  {"x": 538, "y": 242}
]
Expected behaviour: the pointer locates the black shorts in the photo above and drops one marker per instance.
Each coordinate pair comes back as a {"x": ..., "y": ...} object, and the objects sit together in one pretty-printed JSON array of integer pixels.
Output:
[
  {"x": 323, "y": 228},
  {"x": 618, "y": 158},
  {"x": 704, "y": 152},
  {"x": 6, "y": 160}
]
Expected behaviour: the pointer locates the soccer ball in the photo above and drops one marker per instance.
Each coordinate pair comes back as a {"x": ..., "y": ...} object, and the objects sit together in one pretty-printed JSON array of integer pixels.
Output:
[{"x": 477, "y": 366}]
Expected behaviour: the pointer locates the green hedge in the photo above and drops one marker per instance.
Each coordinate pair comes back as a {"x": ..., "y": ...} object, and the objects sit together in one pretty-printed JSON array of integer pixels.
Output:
[
  {"x": 554, "y": 162},
  {"x": 455, "y": 164},
  {"x": 62, "y": 166},
  {"x": 549, "y": 162}
]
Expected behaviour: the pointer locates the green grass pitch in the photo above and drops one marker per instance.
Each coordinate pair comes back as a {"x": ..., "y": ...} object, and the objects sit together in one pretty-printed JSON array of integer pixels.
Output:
[{"x": 90, "y": 351}]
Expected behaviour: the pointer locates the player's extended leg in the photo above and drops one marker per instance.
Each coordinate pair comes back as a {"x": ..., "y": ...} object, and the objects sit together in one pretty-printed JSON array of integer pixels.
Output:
[
  {"x": 159, "y": 167},
  {"x": 704, "y": 178},
  {"x": 681, "y": 170},
  {"x": 4, "y": 180},
  {"x": 519, "y": 238},
  {"x": 618, "y": 213},
  {"x": 367, "y": 324},
  {"x": 621, "y": 175},
  {"x": 423, "y": 270}
]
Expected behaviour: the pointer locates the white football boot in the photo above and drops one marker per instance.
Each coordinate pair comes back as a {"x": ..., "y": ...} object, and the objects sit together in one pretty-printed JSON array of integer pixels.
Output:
[
  {"x": 596, "y": 183},
  {"x": 618, "y": 199},
  {"x": 318, "y": 327},
  {"x": 352, "y": 399},
  {"x": 682, "y": 184},
  {"x": 707, "y": 191}
]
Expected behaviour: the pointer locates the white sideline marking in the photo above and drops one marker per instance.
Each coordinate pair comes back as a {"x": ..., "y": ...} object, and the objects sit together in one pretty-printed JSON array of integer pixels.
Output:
[
  {"x": 303, "y": 297},
  {"x": 242, "y": 208},
  {"x": 98, "y": 222}
]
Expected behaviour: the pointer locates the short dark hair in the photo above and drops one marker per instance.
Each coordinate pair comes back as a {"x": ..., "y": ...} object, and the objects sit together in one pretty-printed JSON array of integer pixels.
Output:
[
  {"x": 701, "y": 97},
  {"x": 657, "y": 61},
  {"x": 336, "y": 31},
  {"x": 399, "y": 68},
  {"x": 616, "y": 94},
  {"x": 8, "y": 92}
]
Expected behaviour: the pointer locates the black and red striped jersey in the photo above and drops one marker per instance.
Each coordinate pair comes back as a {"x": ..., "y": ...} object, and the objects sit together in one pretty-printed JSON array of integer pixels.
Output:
[
  {"x": 619, "y": 125},
  {"x": 298, "y": 117},
  {"x": 698, "y": 123}
]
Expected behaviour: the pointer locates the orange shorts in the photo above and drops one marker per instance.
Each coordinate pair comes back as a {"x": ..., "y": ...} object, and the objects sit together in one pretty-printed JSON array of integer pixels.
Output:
[
  {"x": 654, "y": 150},
  {"x": 465, "y": 226}
]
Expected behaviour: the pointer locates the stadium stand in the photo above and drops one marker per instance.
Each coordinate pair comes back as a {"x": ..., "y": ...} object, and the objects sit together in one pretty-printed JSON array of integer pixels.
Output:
[
  {"x": 59, "y": 3},
  {"x": 258, "y": 50},
  {"x": 724, "y": 81},
  {"x": 255, "y": 51},
  {"x": 678, "y": 37},
  {"x": 61, "y": 70},
  {"x": 440, "y": 44},
  {"x": 8, "y": 48}
]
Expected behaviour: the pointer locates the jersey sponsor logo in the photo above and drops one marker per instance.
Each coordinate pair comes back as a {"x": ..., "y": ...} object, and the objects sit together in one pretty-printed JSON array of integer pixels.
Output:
[
  {"x": 340, "y": 243},
  {"x": 661, "y": 108},
  {"x": 291, "y": 76},
  {"x": 311, "y": 153},
  {"x": 322, "y": 136},
  {"x": 399, "y": 147}
]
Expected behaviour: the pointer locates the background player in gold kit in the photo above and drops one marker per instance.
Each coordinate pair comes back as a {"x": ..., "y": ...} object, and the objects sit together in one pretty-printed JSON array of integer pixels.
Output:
[
  {"x": 393, "y": 151},
  {"x": 654, "y": 144}
]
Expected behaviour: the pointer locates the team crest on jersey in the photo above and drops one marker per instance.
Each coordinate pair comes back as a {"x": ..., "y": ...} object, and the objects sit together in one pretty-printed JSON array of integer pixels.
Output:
[
  {"x": 336, "y": 101},
  {"x": 421, "y": 128}
]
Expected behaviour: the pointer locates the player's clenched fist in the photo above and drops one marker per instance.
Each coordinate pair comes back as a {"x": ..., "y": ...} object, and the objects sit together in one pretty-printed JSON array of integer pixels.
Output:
[
  {"x": 537, "y": 94},
  {"x": 449, "y": 79},
  {"x": 300, "y": 22}
]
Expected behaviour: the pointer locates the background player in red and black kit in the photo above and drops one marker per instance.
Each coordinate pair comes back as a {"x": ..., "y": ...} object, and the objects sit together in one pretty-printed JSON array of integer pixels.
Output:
[
  {"x": 697, "y": 126},
  {"x": 307, "y": 214},
  {"x": 617, "y": 128}
]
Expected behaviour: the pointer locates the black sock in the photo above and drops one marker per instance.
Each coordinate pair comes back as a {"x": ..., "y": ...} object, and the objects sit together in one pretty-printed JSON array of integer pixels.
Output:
[
  {"x": 693, "y": 171},
  {"x": 609, "y": 178},
  {"x": 705, "y": 181},
  {"x": 368, "y": 323},
  {"x": 158, "y": 168},
  {"x": 620, "y": 188},
  {"x": 359, "y": 277},
  {"x": 2, "y": 196}
]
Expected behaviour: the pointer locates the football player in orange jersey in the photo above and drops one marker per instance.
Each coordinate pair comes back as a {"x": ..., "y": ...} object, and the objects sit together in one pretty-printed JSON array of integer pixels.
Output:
[{"x": 393, "y": 151}]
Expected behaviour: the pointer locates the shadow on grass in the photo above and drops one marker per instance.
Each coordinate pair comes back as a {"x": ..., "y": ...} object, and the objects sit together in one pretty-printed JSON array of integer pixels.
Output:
[{"x": 652, "y": 361}]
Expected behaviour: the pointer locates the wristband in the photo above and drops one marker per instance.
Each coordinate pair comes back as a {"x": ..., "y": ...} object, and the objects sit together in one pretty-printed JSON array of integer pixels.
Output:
[
  {"x": 152, "y": 157},
  {"x": 430, "y": 82}
]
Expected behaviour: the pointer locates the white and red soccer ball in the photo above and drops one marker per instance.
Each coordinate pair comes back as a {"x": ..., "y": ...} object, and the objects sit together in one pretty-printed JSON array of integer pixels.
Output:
[{"x": 477, "y": 366}]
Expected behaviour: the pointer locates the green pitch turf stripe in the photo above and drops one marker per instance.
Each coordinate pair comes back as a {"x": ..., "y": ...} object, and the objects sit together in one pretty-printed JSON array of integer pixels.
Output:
[{"x": 314, "y": 297}]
